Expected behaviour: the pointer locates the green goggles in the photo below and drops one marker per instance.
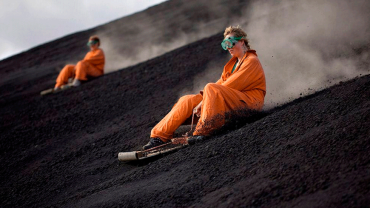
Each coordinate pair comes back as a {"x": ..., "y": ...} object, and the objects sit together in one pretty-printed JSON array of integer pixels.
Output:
[
  {"x": 230, "y": 42},
  {"x": 92, "y": 42}
]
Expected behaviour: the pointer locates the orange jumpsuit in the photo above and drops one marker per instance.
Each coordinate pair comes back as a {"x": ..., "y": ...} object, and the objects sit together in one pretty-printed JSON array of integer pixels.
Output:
[
  {"x": 92, "y": 65},
  {"x": 245, "y": 88}
]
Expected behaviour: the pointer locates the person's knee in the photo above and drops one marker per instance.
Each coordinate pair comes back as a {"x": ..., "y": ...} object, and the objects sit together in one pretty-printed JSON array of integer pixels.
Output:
[
  {"x": 211, "y": 87},
  {"x": 185, "y": 98},
  {"x": 80, "y": 66},
  {"x": 189, "y": 100},
  {"x": 68, "y": 67},
  {"x": 80, "y": 63}
]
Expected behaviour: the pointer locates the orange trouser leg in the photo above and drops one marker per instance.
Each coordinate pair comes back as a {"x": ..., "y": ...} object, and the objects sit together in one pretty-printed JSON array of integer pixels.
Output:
[
  {"x": 84, "y": 69},
  {"x": 182, "y": 110},
  {"x": 217, "y": 100},
  {"x": 67, "y": 72}
]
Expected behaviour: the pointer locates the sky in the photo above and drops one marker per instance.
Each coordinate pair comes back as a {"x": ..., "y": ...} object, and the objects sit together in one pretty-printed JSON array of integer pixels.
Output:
[{"x": 28, "y": 23}]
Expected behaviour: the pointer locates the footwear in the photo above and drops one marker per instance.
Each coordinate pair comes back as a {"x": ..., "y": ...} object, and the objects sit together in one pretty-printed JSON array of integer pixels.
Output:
[
  {"x": 195, "y": 139},
  {"x": 76, "y": 83},
  {"x": 153, "y": 142},
  {"x": 57, "y": 89}
]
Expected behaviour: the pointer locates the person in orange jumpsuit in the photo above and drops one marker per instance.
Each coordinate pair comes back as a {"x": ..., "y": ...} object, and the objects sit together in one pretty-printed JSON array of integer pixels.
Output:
[
  {"x": 91, "y": 66},
  {"x": 242, "y": 86}
]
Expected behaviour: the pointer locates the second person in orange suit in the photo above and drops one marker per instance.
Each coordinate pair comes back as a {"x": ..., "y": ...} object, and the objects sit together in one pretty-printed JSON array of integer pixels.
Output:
[
  {"x": 91, "y": 66},
  {"x": 242, "y": 86}
]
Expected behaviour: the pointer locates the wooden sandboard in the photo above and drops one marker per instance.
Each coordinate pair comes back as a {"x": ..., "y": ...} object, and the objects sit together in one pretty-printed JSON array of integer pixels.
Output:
[
  {"x": 174, "y": 144},
  {"x": 52, "y": 91}
]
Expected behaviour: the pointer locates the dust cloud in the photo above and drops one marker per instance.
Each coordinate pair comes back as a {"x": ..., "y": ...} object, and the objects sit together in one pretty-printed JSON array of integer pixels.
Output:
[
  {"x": 116, "y": 61},
  {"x": 211, "y": 74},
  {"x": 305, "y": 46},
  {"x": 152, "y": 35}
]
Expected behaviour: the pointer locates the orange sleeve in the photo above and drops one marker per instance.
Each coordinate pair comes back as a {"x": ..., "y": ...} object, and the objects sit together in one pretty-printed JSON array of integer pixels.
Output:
[{"x": 249, "y": 76}]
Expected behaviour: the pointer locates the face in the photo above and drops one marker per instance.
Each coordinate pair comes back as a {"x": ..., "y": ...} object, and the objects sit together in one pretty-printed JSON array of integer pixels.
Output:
[
  {"x": 93, "y": 46},
  {"x": 237, "y": 49}
]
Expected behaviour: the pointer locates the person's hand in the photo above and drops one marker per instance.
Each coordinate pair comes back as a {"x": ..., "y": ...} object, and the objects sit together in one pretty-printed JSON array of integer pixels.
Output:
[{"x": 198, "y": 109}]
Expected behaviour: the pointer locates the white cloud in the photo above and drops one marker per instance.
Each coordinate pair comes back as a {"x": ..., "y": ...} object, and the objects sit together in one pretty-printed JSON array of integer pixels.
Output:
[{"x": 27, "y": 23}]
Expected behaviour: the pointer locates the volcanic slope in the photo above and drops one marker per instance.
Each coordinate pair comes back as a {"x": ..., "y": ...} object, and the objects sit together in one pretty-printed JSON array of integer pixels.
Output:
[{"x": 61, "y": 150}]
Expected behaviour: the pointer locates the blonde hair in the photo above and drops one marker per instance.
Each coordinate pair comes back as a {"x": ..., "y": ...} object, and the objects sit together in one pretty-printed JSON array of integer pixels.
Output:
[
  {"x": 95, "y": 38},
  {"x": 238, "y": 32}
]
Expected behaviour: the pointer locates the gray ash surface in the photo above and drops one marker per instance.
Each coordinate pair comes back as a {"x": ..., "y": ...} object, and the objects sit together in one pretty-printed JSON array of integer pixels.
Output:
[{"x": 61, "y": 150}]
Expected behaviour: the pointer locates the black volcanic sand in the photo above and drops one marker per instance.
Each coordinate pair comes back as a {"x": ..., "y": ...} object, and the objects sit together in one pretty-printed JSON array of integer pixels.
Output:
[{"x": 61, "y": 150}]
